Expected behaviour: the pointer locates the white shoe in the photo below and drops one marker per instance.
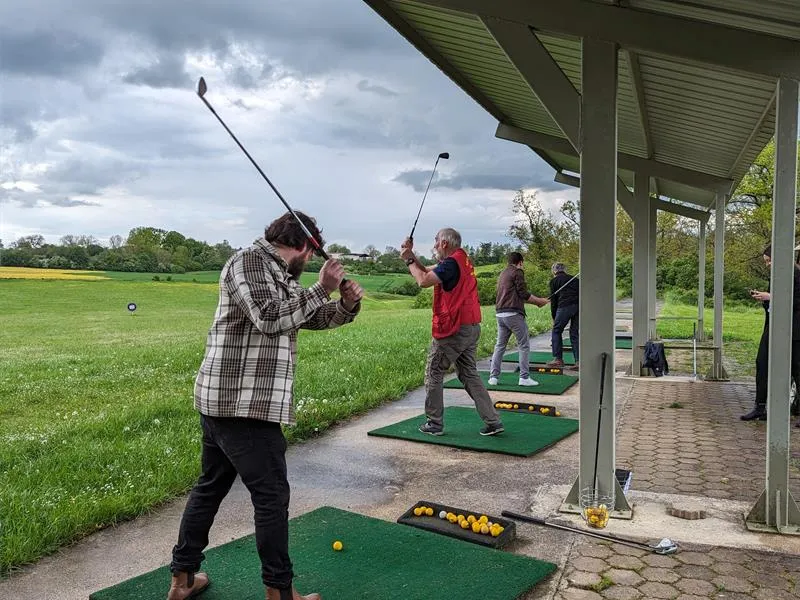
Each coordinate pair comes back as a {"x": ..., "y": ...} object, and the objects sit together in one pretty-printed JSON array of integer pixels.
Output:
[
  {"x": 527, "y": 381},
  {"x": 492, "y": 380}
]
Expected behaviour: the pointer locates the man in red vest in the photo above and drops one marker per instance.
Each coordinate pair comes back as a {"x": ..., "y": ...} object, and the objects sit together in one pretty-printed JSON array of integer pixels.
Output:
[{"x": 456, "y": 329}]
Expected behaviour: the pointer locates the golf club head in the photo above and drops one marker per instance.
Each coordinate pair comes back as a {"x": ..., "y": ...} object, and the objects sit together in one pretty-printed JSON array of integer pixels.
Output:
[
  {"x": 201, "y": 87},
  {"x": 665, "y": 546},
  {"x": 444, "y": 155}
]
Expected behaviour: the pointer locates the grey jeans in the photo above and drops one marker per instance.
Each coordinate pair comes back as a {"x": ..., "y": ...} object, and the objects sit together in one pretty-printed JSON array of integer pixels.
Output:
[
  {"x": 517, "y": 325},
  {"x": 459, "y": 350}
]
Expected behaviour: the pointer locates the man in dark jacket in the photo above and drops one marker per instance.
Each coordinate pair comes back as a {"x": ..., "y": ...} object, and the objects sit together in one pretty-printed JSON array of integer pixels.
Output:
[
  {"x": 564, "y": 293},
  {"x": 759, "y": 411},
  {"x": 512, "y": 294}
]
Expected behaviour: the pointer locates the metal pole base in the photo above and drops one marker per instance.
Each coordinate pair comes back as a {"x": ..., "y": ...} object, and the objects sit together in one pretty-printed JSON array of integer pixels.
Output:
[
  {"x": 621, "y": 510},
  {"x": 758, "y": 517}
]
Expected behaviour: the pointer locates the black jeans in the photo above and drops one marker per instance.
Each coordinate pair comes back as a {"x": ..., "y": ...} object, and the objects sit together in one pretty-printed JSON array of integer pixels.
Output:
[
  {"x": 564, "y": 315},
  {"x": 256, "y": 451},
  {"x": 762, "y": 364}
]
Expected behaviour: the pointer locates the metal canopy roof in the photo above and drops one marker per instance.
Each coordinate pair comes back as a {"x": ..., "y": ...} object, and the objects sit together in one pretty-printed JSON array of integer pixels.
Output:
[{"x": 696, "y": 84}]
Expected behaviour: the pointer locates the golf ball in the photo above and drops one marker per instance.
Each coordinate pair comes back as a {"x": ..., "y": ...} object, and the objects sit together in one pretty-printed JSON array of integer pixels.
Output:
[
  {"x": 442, "y": 514},
  {"x": 337, "y": 545}
]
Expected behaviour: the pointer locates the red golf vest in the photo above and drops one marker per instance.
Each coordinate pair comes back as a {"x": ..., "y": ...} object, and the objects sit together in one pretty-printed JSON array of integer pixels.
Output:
[{"x": 459, "y": 306}]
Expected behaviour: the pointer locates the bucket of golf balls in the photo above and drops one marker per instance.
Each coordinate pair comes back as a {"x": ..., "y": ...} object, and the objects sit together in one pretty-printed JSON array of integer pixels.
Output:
[{"x": 595, "y": 507}]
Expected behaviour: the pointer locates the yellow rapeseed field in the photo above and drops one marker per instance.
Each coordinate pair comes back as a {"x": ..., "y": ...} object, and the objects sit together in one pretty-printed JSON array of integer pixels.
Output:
[{"x": 26, "y": 273}]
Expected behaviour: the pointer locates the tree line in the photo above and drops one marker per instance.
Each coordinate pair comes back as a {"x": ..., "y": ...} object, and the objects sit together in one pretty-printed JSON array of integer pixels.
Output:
[
  {"x": 145, "y": 250},
  {"x": 153, "y": 250}
]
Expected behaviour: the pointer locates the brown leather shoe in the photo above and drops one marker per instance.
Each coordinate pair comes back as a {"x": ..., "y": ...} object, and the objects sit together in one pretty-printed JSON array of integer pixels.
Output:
[
  {"x": 555, "y": 363},
  {"x": 187, "y": 585},
  {"x": 275, "y": 594}
]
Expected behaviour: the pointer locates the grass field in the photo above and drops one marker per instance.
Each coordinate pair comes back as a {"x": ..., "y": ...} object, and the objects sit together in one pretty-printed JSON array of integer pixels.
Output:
[
  {"x": 742, "y": 326},
  {"x": 96, "y": 417}
]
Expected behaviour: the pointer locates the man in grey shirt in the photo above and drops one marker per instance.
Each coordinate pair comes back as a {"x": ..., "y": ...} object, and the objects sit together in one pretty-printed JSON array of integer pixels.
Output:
[{"x": 512, "y": 294}]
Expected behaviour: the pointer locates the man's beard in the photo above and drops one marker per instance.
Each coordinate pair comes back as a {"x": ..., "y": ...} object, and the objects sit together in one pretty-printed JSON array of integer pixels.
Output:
[{"x": 296, "y": 266}]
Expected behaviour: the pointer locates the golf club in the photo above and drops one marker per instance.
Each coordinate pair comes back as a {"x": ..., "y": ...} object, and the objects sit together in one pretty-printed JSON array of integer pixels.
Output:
[
  {"x": 603, "y": 358},
  {"x": 565, "y": 285},
  {"x": 201, "y": 92},
  {"x": 444, "y": 155},
  {"x": 665, "y": 546}
]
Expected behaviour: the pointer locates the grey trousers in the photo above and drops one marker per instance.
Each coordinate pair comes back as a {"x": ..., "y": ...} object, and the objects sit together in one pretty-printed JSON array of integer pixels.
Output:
[
  {"x": 517, "y": 325},
  {"x": 459, "y": 350}
]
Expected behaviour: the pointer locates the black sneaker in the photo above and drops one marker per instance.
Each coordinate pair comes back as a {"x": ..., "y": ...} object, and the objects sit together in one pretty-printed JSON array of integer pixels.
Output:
[
  {"x": 431, "y": 428},
  {"x": 755, "y": 415},
  {"x": 493, "y": 429}
]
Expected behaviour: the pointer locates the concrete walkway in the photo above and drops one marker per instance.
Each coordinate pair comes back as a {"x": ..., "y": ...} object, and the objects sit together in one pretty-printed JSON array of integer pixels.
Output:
[{"x": 699, "y": 457}]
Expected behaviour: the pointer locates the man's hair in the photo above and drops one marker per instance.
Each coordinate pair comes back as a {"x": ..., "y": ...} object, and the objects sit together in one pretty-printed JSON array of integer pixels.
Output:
[
  {"x": 514, "y": 258},
  {"x": 559, "y": 268},
  {"x": 286, "y": 231},
  {"x": 768, "y": 251},
  {"x": 451, "y": 236}
]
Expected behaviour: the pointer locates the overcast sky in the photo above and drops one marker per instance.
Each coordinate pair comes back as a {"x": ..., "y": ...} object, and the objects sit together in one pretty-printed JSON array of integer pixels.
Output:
[{"x": 102, "y": 131}]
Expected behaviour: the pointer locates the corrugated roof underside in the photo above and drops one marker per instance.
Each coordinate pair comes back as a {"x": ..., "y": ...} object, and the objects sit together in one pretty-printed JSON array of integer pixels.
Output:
[
  {"x": 700, "y": 118},
  {"x": 775, "y": 17},
  {"x": 463, "y": 40},
  {"x": 566, "y": 51}
]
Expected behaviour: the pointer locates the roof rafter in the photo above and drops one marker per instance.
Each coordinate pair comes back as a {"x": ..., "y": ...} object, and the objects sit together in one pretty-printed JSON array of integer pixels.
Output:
[
  {"x": 711, "y": 43},
  {"x": 628, "y": 162}
]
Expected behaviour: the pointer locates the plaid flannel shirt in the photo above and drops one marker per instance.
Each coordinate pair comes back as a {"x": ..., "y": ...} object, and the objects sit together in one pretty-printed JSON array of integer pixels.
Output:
[{"x": 251, "y": 351}]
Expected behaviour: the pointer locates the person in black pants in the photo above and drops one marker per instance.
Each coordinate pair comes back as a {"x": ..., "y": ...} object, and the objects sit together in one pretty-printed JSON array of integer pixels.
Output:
[
  {"x": 564, "y": 293},
  {"x": 759, "y": 411}
]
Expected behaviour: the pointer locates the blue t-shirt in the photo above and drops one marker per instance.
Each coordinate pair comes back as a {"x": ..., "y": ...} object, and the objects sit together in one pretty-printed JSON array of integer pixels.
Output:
[{"x": 448, "y": 273}]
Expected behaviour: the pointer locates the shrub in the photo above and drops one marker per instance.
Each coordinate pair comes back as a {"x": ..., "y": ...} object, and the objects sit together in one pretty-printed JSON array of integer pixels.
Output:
[
  {"x": 424, "y": 298},
  {"x": 487, "y": 291},
  {"x": 406, "y": 288}
]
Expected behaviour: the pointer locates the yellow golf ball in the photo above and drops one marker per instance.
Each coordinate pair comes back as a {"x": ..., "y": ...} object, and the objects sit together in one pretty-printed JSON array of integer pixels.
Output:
[{"x": 337, "y": 545}]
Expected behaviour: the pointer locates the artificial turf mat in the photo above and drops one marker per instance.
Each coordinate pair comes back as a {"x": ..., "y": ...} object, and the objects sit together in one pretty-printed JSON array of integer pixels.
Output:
[
  {"x": 620, "y": 343},
  {"x": 539, "y": 357},
  {"x": 524, "y": 434},
  {"x": 380, "y": 561},
  {"x": 507, "y": 382}
]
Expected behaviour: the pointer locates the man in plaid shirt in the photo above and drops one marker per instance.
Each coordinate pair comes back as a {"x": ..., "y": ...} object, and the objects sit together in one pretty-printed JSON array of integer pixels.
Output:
[{"x": 243, "y": 392}]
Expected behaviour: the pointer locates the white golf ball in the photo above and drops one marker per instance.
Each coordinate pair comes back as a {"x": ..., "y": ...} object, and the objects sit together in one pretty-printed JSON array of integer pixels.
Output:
[{"x": 442, "y": 514}]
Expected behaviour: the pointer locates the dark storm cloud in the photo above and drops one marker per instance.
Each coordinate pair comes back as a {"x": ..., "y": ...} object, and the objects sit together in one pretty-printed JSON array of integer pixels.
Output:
[
  {"x": 49, "y": 53},
  {"x": 311, "y": 38},
  {"x": 366, "y": 86},
  {"x": 167, "y": 72}
]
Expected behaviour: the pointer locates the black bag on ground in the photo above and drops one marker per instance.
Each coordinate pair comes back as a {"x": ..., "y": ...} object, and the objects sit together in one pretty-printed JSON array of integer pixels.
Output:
[{"x": 655, "y": 359}]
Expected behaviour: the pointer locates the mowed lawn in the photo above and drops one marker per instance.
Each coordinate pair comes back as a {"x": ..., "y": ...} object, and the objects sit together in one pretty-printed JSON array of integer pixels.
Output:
[{"x": 96, "y": 411}]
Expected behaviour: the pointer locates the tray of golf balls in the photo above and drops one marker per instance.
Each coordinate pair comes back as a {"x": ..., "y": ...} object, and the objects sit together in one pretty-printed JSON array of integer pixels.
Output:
[
  {"x": 471, "y": 526},
  {"x": 539, "y": 409}
]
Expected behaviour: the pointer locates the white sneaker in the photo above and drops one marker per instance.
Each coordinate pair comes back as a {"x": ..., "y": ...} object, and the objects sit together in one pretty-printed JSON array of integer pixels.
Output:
[
  {"x": 527, "y": 381},
  {"x": 492, "y": 380}
]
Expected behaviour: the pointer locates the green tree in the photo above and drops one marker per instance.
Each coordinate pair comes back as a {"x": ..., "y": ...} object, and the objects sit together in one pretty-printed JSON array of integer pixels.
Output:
[
  {"x": 338, "y": 249},
  {"x": 146, "y": 238}
]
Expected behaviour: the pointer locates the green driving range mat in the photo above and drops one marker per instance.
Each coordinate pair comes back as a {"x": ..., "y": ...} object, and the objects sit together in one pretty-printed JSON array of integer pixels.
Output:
[
  {"x": 524, "y": 434},
  {"x": 507, "y": 382},
  {"x": 539, "y": 357},
  {"x": 379, "y": 561},
  {"x": 620, "y": 343}
]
